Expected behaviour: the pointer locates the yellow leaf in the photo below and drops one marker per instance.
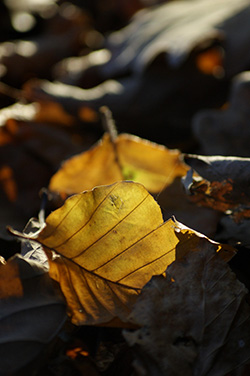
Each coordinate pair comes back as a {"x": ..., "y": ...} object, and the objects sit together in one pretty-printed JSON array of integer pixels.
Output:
[
  {"x": 127, "y": 158},
  {"x": 112, "y": 240}
]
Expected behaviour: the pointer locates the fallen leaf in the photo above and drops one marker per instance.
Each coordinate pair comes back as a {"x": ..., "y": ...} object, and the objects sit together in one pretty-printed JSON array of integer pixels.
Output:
[
  {"x": 32, "y": 311},
  {"x": 127, "y": 158},
  {"x": 194, "y": 320},
  {"x": 111, "y": 240},
  {"x": 223, "y": 183}
]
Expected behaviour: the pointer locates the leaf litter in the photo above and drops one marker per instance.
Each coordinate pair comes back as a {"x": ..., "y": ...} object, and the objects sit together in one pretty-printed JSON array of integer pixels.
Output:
[{"x": 105, "y": 261}]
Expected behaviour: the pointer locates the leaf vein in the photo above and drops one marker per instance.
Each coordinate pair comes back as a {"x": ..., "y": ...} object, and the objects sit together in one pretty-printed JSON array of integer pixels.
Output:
[
  {"x": 111, "y": 229},
  {"x": 89, "y": 219},
  {"x": 145, "y": 265}
]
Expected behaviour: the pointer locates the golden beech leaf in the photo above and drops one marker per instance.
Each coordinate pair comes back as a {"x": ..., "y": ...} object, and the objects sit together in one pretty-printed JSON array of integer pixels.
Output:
[
  {"x": 126, "y": 158},
  {"x": 111, "y": 241}
]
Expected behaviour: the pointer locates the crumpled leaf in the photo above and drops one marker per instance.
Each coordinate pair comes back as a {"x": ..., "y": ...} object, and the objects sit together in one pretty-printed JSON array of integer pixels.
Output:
[
  {"x": 226, "y": 131},
  {"x": 111, "y": 240},
  {"x": 32, "y": 311},
  {"x": 31, "y": 250},
  {"x": 194, "y": 320},
  {"x": 127, "y": 158},
  {"x": 223, "y": 183}
]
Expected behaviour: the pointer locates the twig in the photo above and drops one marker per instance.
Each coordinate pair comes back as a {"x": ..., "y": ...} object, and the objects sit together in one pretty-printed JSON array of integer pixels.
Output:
[
  {"x": 108, "y": 123},
  {"x": 109, "y": 126}
]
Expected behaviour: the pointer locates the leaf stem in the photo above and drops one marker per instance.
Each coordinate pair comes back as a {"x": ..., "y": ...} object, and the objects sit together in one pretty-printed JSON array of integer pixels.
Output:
[
  {"x": 109, "y": 126},
  {"x": 108, "y": 123}
]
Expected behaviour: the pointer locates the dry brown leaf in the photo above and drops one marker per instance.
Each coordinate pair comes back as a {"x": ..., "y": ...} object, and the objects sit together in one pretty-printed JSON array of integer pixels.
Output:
[
  {"x": 112, "y": 240},
  {"x": 211, "y": 194},
  {"x": 127, "y": 158},
  {"x": 195, "y": 320},
  {"x": 223, "y": 184}
]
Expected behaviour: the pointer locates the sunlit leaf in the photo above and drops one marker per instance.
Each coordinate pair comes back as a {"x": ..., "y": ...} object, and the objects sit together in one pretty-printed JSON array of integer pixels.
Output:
[
  {"x": 127, "y": 158},
  {"x": 111, "y": 241}
]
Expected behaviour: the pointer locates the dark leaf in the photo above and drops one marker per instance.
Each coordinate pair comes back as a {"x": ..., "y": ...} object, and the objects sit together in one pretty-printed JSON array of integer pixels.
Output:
[{"x": 195, "y": 320}]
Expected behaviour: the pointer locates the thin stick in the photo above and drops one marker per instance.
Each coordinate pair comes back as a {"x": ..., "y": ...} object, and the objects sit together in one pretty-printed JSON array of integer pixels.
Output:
[
  {"x": 108, "y": 123},
  {"x": 109, "y": 126}
]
